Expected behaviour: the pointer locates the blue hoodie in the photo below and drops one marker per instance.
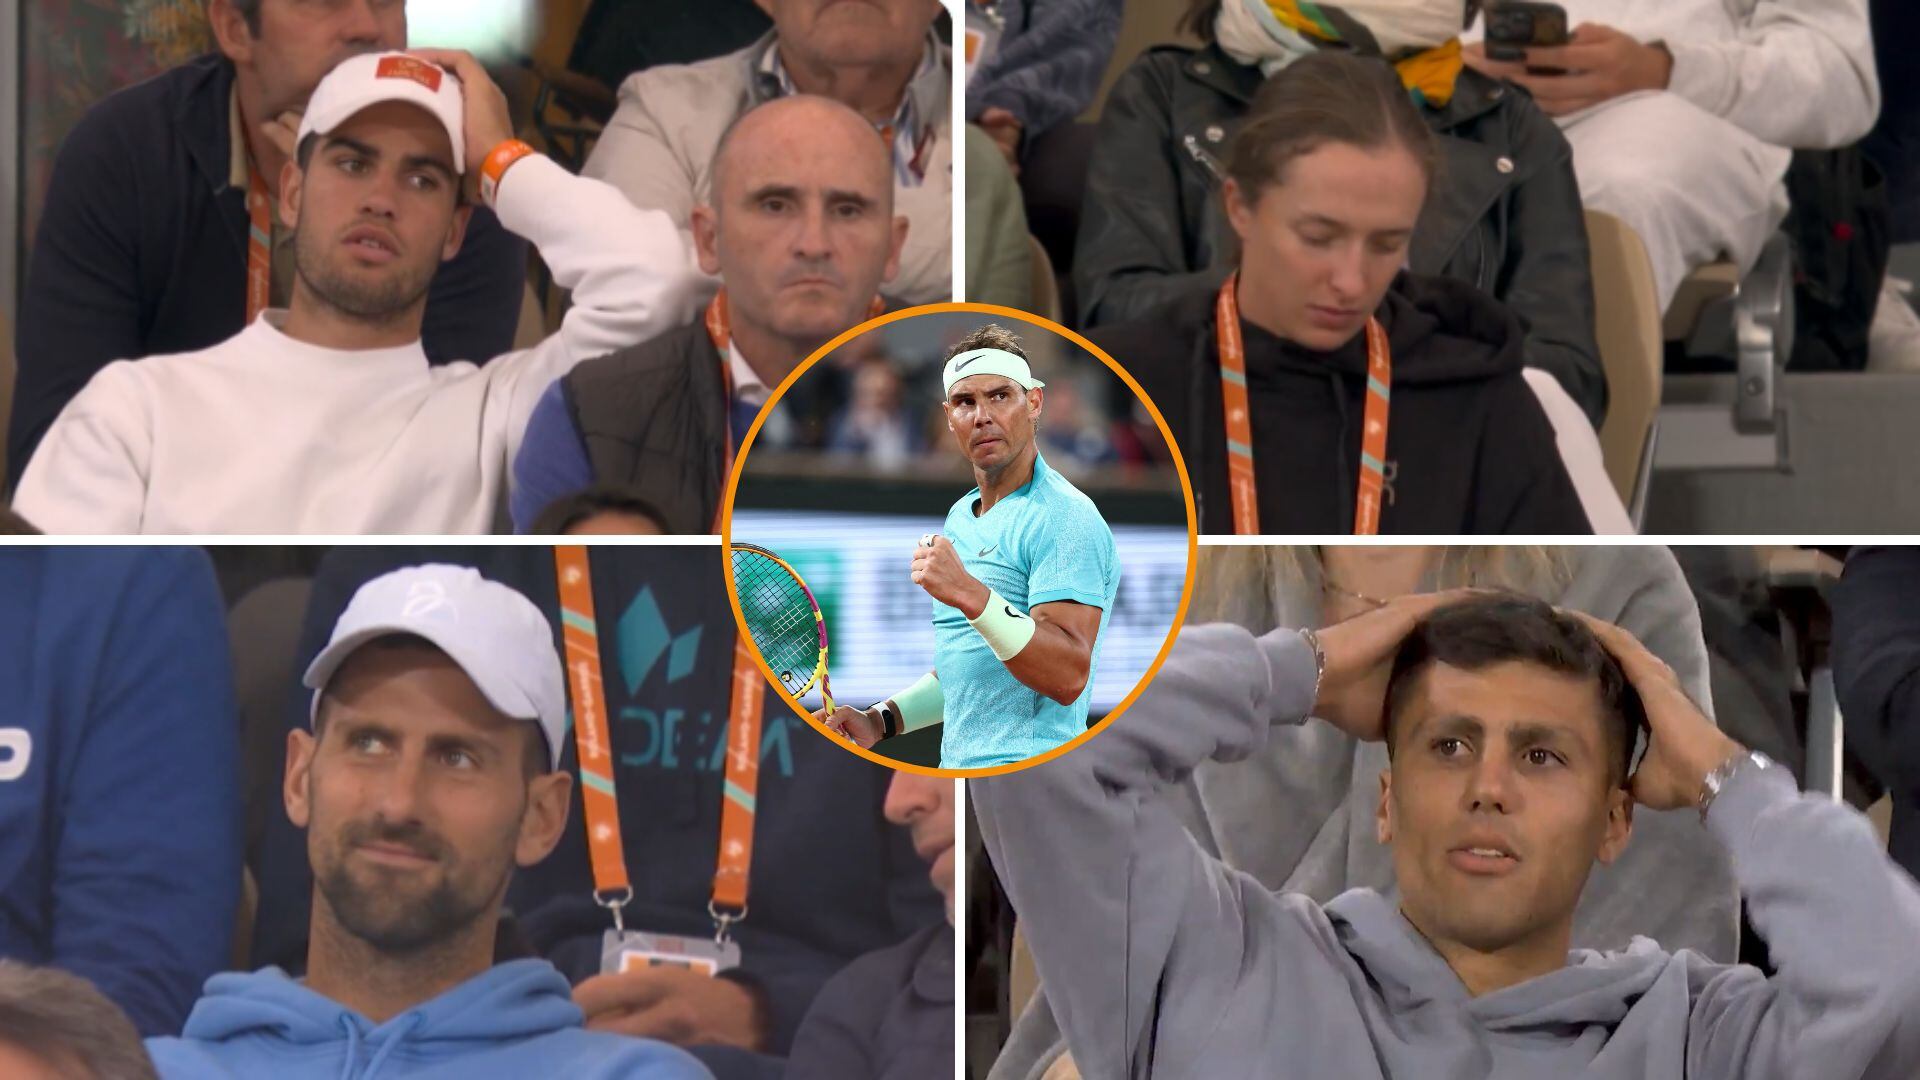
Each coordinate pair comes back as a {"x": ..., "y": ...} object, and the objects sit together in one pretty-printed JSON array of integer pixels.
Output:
[{"x": 516, "y": 1020}]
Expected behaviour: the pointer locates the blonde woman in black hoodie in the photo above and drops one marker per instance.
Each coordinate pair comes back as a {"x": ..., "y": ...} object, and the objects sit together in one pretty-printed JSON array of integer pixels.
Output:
[{"x": 1323, "y": 388}]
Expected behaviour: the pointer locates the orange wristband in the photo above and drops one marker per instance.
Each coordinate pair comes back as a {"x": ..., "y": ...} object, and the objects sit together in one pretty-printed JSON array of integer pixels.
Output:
[{"x": 498, "y": 160}]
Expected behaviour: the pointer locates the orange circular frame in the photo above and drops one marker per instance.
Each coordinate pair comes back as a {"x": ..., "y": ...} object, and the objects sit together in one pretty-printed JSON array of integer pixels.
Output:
[{"x": 739, "y": 469}]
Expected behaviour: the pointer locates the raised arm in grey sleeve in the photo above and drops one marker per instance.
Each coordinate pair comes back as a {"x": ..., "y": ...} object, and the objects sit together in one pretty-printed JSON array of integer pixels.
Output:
[
  {"x": 1112, "y": 891},
  {"x": 1843, "y": 927}
]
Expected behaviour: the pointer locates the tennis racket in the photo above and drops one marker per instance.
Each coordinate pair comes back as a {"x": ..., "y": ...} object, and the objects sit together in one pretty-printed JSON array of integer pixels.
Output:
[{"x": 783, "y": 619}]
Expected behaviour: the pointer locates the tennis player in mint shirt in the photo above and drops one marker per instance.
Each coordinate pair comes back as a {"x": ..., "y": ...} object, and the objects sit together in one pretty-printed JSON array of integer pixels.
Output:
[{"x": 1023, "y": 578}]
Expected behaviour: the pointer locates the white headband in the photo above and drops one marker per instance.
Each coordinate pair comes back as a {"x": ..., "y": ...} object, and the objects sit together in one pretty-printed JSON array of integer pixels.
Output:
[{"x": 989, "y": 362}]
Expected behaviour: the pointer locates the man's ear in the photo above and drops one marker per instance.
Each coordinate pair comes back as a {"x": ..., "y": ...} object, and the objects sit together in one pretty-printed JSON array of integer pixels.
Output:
[
  {"x": 296, "y": 789},
  {"x": 230, "y": 31},
  {"x": 546, "y": 816},
  {"x": 1383, "y": 813},
  {"x": 1619, "y": 825},
  {"x": 706, "y": 238},
  {"x": 896, "y": 243},
  {"x": 456, "y": 232},
  {"x": 1034, "y": 399},
  {"x": 293, "y": 184}
]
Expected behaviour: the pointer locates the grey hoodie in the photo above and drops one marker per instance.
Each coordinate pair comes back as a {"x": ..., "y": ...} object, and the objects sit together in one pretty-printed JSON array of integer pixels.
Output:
[{"x": 1160, "y": 961}]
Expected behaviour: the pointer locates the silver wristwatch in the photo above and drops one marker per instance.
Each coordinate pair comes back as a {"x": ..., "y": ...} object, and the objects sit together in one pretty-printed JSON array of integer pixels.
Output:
[{"x": 1717, "y": 779}]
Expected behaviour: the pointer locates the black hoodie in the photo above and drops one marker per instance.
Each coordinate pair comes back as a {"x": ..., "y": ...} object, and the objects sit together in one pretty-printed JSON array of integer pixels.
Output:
[{"x": 1469, "y": 449}]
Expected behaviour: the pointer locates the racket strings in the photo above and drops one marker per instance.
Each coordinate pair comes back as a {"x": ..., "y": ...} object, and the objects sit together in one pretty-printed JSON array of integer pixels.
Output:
[{"x": 780, "y": 617}]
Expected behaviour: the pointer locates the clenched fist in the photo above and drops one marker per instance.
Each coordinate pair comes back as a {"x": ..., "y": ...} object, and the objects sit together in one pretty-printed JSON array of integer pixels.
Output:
[{"x": 937, "y": 568}]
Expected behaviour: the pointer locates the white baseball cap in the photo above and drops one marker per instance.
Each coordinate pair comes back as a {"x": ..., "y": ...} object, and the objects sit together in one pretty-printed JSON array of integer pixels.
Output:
[
  {"x": 371, "y": 78},
  {"x": 988, "y": 362},
  {"x": 496, "y": 635}
]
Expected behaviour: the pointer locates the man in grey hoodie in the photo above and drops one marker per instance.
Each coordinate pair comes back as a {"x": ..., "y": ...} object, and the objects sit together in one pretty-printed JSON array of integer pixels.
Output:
[{"x": 1509, "y": 725}]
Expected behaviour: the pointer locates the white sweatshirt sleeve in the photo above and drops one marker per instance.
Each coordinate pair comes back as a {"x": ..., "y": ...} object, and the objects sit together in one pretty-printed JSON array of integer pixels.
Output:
[
  {"x": 1801, "y": 75},
  {"x": 1580, "y": 455},
  {"x": 628, "y": 269},
  {"x": 89, "y": 474}
]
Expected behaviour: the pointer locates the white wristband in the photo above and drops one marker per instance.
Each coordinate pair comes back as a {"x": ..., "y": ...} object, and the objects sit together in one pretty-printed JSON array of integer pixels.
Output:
[{"x": 1005, "y": 628}]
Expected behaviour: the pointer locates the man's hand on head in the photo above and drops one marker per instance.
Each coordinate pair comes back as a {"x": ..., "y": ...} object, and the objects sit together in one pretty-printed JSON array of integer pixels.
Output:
[
  {"x": 487, "y": 122},
  {"x": 1599, "y": 63},
  {"x": 1683, "y": 746},
  {"x": 283, "y": 132},
  {"x": 676, "y": 1005},
  {"x": 939, "y": 571},
  {"x": 1359, "y": 658}
]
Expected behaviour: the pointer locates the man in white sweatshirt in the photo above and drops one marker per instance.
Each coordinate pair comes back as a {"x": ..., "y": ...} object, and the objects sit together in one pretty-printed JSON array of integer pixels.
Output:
[
  {"x": 1683, "y": 113},
  {"x": 325, "y": 417}
]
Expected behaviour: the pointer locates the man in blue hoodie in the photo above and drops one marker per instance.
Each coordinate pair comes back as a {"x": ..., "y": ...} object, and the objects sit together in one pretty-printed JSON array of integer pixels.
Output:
[
  {"x": 430, "y": 773},
  {"x": 1510, "y": 728},
  {"x": 119, "y": 772}
]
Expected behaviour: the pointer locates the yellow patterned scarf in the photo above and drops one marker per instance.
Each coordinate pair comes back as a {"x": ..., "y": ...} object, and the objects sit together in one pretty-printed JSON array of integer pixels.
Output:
[{"x": 1420, "y": 39}]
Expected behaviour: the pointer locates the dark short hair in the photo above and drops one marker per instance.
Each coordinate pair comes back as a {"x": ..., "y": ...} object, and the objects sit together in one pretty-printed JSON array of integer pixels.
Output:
[
  {"x": 1483, "y": 631},
  {"x": 61, "y": 1019},
  {"x": 1328, "y": 97},
  {"x": 535, "y": 760},
  {"x": 567, "y": 511},
  {"x": 990, "y": 336}
]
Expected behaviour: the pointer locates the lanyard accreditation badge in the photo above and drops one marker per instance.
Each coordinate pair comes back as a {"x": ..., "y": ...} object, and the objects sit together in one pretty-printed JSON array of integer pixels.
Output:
[
  {"x": 624, "y": 949},
  {"x": 259, "y": 244},
  {"x": 984, "y": 27},
  {"x": 720, "y": 332},
  {"x": 1242, "y": 492}
]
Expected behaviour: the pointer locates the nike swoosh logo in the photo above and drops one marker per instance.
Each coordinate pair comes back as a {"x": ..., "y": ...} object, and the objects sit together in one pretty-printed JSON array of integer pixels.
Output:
[
  {"x": 1012, "y": 614},
  {"x": 962, "y": 365},
  {"x": 985, "y": 551}
]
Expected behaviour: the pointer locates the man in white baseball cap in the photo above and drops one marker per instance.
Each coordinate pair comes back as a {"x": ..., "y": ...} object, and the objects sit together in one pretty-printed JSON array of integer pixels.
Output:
[
  {"x": 326, "y": 417},
  {"x": 431, "y": 773},
  {"x": 1023, "y": 577}
]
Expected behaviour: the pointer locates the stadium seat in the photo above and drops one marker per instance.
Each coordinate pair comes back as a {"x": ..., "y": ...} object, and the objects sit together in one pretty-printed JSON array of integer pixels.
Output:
[
  {"x": 6, "y": 393},
  {"x": 1143, "y": 24},
  {"x": 263, "y": 630},
  {"x": 1046, "y": 289},
  {"x": 1800, "y": 579},
  {"x": 1627, "y": 324}
]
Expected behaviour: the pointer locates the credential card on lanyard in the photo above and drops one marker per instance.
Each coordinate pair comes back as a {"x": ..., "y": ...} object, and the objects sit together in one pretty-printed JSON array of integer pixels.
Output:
[
  {"x": 622, "y": 951},
  {"x": 983, "y": 36}
]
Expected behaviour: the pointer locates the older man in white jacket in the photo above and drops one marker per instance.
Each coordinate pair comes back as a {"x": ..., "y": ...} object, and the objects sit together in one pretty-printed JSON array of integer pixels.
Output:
[
  {"x": 1683, "y": 113},
  {"x": 881, "y": 60}
]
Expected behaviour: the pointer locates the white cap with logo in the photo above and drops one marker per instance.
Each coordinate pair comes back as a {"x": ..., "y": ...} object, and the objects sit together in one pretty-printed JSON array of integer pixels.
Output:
[
  {"x": 496, "y": 635},
  {"x": 988, "y": 362},
  {"x": 371, "y": 78}
]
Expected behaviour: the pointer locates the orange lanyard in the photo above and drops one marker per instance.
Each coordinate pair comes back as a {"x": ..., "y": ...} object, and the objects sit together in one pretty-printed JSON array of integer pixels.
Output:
[
  {"x": 259, "y": 245},
  {"x": 593, "y": 738},
  {"x": 1242, "y": 492},
  {"x": 720, "y": 331}
]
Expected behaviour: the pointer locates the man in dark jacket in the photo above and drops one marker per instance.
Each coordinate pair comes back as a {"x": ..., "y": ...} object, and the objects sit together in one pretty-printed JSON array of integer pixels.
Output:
[
  {"x": 1876, "y": 676},
  {"x": 802, "y": 233},
  {"x": 144, "y": 247},
  {"x": 830, "y": 879},
  {"x": 1504, "y": 214},
  {"x": 889, "y": 1015}
]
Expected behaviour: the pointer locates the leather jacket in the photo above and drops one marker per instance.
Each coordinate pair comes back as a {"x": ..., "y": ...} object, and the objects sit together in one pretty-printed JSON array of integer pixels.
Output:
[{"x": 1504, "y": 212}]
